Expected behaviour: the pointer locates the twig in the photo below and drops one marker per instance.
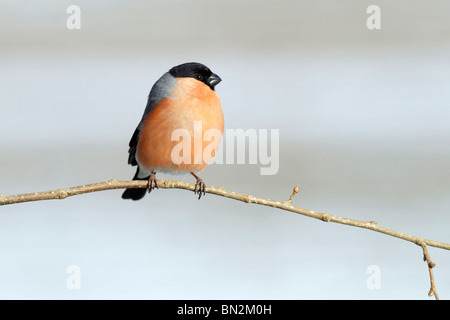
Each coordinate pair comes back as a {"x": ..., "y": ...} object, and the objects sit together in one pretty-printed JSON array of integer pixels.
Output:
[
  {"x": 431, "y": 265},
  {"x": 284, "y": 205},
  {"x": 294, "y": 192}
]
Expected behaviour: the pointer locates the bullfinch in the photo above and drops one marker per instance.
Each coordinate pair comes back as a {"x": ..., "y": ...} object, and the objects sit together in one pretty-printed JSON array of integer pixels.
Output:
[{"x": 182, "y": 100}]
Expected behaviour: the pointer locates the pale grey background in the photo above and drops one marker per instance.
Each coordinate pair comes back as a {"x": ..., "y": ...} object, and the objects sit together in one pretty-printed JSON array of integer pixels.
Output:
[{"x": 364, "y": 130}]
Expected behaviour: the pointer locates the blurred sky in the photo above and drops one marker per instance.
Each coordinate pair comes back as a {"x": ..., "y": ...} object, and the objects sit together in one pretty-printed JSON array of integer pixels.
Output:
[{"x": 364, "y": 130}]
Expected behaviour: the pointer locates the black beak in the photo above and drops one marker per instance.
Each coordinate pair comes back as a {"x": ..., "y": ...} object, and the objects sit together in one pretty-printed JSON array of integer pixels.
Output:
[{"x": 213, "y": 80}]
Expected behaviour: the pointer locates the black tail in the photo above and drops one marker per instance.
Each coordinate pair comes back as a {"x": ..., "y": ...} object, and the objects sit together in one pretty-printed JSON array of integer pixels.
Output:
[{"x": 135, "y": 193}]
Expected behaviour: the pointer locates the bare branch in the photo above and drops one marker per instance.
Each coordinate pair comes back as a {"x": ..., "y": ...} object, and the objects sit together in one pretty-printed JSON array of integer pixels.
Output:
[
  {"x": 284, "y": 205},
  {"x": 171, "y": 184}
]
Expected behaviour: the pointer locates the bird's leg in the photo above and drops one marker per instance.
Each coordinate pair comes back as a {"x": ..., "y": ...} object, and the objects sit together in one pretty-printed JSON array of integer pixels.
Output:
[
  {"x": 152, "y": 182},
  {"x": 199, "y": 186}
]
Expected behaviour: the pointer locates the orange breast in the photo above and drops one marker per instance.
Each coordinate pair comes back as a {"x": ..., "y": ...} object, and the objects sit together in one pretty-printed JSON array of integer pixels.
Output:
[{"x": 193, "y": 104}]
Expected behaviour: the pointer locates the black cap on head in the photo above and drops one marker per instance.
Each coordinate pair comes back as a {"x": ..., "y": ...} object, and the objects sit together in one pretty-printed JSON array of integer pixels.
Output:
[{"x": 197, "y": 71}]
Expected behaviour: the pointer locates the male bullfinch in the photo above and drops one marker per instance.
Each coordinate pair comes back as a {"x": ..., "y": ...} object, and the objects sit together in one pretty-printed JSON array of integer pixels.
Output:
[{"x": 181, "y": 98}]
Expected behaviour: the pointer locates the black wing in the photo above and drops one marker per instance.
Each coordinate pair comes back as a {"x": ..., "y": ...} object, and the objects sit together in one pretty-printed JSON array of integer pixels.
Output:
[{"x": 133, "y": 144}]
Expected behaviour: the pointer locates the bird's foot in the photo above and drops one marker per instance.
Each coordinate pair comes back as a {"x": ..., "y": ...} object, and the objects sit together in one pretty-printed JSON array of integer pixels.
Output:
[
  {"x": 152, "y": 182},
  {"x": 200, "y": 186}
]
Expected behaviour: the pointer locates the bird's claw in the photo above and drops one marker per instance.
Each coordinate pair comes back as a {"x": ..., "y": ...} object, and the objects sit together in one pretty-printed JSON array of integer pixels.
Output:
[
  {"x": 152, "y": 182},
  {"x": 200, "y": 188}
]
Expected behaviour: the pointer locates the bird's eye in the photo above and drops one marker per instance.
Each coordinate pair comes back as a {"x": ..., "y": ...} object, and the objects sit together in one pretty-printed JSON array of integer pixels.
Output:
[{"x": 200, "y": 77}]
